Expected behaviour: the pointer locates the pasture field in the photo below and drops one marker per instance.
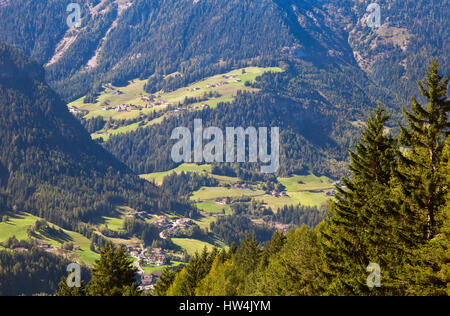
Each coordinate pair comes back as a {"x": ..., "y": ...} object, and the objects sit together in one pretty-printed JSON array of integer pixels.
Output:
[
  {"x": 18, "y": 224},
  {"x": 212, "y": 193},
  {"x": 306, "y": 183},
  {"x": 205, "y": 221},
  {"x": 186, "y": 167},
  {"x": 160, "y": 269},
  {"x": 225, "y": 180},
  {"x": 134, "y": 92},
  {"x": 308, "y": 198},
  {"x": 192, "y": 245},
  {"x": 114, "y": 223},
  {"x": 275, "y": 202},
  {"x": 213, "y": 207}
]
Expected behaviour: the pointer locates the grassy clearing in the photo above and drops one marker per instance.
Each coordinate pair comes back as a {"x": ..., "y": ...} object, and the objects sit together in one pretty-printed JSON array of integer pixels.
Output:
[
  {"x": 134, "y": 91},
  {"x": 308, "y": 198},
  {"x": 276, "y": 202},
  {"x": 158, "y": 177},
  {"x": 225, "y": 180},
  {"x": 213, "y": 207},
  {"x": 305, "y": 183},
  {"x": 212, "y": 193},
  {"x": 160, "y": 269},
  {"x": 18, "y": 224},
  {"x": 205, "y": 221},
  {"x": 192, "y": 245},
  {"x": 114, "y": 223}
]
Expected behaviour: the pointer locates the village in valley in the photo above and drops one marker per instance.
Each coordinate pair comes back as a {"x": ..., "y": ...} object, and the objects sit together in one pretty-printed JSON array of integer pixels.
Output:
[{"x": 131, "y": 103}]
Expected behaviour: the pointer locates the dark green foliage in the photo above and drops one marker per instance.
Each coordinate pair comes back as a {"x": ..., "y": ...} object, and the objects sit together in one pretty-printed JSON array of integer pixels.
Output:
[
  {"x": 113, "y": 274},
  {"x": 299, "y": 215},
  {"x": 363, "y": 206},
  {"x": 29, "y": 272},
  {"x": 423, "y": 186},
  {"x": 141, "y": 229},
  {"x": 164, "y": 282},
  {"x": 188, "y": 279},
  {"x": 383, "y": 215},
  {"x": 302, "y": 146},
  {"x": 234, "y": 228},
  {"x": 184, "y": 184},
  {"x": 53, "y": 167}
]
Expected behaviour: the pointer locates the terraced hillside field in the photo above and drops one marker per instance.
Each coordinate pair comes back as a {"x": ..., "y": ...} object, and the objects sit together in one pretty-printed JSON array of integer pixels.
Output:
[{"x": 132, "y": 103}]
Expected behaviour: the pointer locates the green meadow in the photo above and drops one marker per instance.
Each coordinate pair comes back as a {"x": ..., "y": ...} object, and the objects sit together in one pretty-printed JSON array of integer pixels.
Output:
[
  {"x": 160, "y": 269},
  {"x": 306, "y": 183},
  {"x": 134, "y": 91},
  {"x": 18, "y": 224},
  {"x": 192, "y": 245},
  {"x": 213, "y": 207},
  {"x": 212, "y": 193},
  {"x": 186, "y": 167}
]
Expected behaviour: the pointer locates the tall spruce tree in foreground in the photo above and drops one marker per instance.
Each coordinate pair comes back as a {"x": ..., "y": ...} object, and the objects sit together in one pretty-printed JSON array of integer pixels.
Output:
[
  {"x": 164, "y": 282},
  {"x": 113, "y": 274},
  {"x": 428, "y": 270},
  {"x": 422, "y": 185},
  {"x": 363, "y": 216}
]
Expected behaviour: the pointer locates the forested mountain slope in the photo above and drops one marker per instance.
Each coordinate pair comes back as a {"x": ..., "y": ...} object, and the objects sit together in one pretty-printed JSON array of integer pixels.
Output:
[
  {"x": 48, "y": 163},
  {"x": 336, "y": 67},
  {"x": 123, "y": 39}
]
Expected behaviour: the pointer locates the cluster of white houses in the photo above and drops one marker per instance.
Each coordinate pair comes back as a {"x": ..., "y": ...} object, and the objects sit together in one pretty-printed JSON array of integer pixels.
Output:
[{"x": 151, "y": 256}]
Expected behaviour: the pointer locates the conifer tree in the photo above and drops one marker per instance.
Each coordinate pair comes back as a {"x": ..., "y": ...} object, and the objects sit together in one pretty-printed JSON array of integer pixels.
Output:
[
  {"x": 362, "y": 216},
  {"x": 113, "y": 274},
  {"x": 188, "y": 279},
  {"x": 421, "y": 183},
  {"x": 428, "y": 270},
  {"x": 65, "y": 290},
  {"x": 164, "y": 282},
  {"x": 293, "y": 271}
]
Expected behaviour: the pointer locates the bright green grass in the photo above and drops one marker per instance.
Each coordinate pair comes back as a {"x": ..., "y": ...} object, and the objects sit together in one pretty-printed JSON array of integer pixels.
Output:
[
  {"x": 114, "y": 223},
  {"x": 213, "y": 207},
  {"x": 276, "y": 202},
  {"x": 192, "y": 245},
  {"x": 134, "y": 91},
  {"x": 205, "y": 221},
  {"x": 160, "y": 269},
  {"x": 18, "y": 225},
  {"x": 306, "y": 183},
  {"x": 212, "y": 193},
  {"x": 225, "y": 180},
  {"x": 186, "y": 167},
  {"x": 308, "y": 198}
]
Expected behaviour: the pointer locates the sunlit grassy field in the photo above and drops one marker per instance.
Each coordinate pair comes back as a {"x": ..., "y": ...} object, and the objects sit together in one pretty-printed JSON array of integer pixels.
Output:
[
  {"x": 213, "y": 207},
  {"x": 18, "y": 224},
  {"x": 186, "y": 167},
  {"x": 306, "y": 183},
  {"x": 192, "y": 245},
  {"x": 212, "y": 193},
  {"x": 134, "y": 91}
]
